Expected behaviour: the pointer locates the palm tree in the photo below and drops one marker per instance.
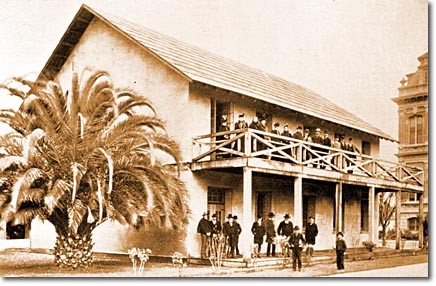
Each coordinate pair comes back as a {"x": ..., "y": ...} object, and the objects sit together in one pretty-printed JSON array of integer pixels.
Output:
[{"x": 93, "y": 154}]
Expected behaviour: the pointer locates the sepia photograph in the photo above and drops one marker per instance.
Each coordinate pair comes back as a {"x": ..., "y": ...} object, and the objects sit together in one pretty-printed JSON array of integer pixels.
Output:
[{"x": 214, "y": 139}]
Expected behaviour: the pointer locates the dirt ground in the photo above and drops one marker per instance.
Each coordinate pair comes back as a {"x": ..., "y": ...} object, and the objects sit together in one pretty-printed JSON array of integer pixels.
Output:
[{"x": 27, "y": 264}]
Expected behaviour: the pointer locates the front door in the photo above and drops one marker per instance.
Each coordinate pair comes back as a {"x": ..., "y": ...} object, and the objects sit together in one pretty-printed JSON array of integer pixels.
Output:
[{"x": 263, "y": 203}]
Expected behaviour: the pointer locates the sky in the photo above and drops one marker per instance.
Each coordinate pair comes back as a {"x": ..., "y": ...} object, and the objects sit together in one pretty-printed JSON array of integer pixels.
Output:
[{"x": 351, "y": 52}]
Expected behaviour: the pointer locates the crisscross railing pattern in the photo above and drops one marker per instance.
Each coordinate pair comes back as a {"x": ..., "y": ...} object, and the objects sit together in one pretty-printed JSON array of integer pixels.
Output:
[{"x": 258, "y": 144}]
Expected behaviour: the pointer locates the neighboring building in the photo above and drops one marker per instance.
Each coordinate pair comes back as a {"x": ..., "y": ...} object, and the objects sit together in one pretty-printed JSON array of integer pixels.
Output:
[
  {"x": 412, "y": 103},
  {"x": 251, "y": 172}
]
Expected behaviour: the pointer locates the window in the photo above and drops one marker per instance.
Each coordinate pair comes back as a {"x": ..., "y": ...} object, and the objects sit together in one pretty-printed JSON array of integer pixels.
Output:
[
  {"x": 416, "y": 129},
  {"x": 216, "y": 198},
  {"x": 412, "y": 223}
]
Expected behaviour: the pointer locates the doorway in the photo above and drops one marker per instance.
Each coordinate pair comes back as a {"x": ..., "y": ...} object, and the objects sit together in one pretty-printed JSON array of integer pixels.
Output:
[{"x": 264, "y": 200}]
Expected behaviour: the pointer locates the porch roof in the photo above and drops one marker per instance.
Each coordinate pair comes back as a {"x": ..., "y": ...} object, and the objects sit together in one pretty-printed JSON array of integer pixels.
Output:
[{"x": 198, "y": 65}]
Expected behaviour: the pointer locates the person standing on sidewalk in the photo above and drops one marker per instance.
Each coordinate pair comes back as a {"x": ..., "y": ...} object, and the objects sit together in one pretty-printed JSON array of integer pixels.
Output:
[
  {"x": 341, "y": 247},
  {"x": 297, "y": 242},
  {"x": 311, "y": 233},
  {"x": 204, "y": 229},
  {"x": 238, "y": 232},
  {"x": 258, "y": 231},
  {"x": 270, "y": 235}
]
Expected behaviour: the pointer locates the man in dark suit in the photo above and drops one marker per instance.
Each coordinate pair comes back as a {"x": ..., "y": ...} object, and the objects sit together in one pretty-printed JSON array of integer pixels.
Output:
[
  {"x": 238, "y": 232},
  {"x": 297, "y": 242},
  {"x": 285, "y": 227},
  {"x": 230, "y": 231},
  {"x": 311, "y": 233},
  {"x": 241, "y": 124},
  {"x": 204, "y": 229},
  {"x": 319, "y": 150},
  {"x": 258, "y": 230},
  {"x": 326, "y": 141},
  {"x": 221, "y": 138}
]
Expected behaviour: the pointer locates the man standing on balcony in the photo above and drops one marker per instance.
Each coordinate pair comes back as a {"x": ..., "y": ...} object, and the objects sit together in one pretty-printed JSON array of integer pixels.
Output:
[
  {"x": 351, "y": 148},
  {"x": 286, "y": 133},
  {"x": 256, "y": 125},
  {"x": 306, "y": 137},
  {"x": 318, "y": 150},
  {"x": 328, "y": 143},
  {"x": 241, "y": 124},
  {"x": 205, "y": 230},
  {"x": 220, "y": 139},
  {"x": 337, "y": 145}
]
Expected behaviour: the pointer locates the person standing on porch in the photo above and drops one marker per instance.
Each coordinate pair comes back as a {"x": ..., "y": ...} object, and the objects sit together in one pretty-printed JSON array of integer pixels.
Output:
[
  {"x": 270, "y": 235},
  {"x": 299, "y": 136},
  {"x": 286, "y": 133},
  {"x": 318, "y": 150},
  {"x": 306, "y": 137},
  {"x": 230, "y": 232},
  {"x": 297, "y": 243},
  {"x": 241, "y": 124},
  {"x": 256, "y": 125},
  {"x": 350, "y": 147},
  {"x": 220, "y": 139},
  {"x": 337, "y": 145},
  {"x": 238, "y": 231},
  {"x": 258, "y": 230},
  {"x": 326, "y": 141},
  {"x": 341, "y": 247},
  {"x": 286, "y": 227},
  {"x": 204, "y": 229},
  {"x": 311, "y": 233}
]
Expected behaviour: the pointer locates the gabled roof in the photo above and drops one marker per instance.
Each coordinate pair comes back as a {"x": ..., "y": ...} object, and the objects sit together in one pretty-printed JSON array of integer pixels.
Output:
[{"x": 198, "y": 65}]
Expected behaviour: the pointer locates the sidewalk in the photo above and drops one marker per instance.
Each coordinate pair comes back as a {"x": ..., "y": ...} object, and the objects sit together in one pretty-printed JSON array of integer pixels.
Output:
[{"x": 28, "y": 264}]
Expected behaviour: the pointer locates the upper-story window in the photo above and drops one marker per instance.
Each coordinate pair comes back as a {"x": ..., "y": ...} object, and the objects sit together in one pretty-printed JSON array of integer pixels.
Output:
[{"x": 416, "y": 129}]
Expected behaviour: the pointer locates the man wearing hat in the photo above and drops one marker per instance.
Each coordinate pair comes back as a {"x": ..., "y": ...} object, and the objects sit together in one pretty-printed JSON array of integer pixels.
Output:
[
  {"x": 258, "y": 230},
  {"x": 311, "y": 233},
  {"x": 241, "y": 124},
  {"x": 285, "y": 227},
  {"x": 341, "y": 247},
  {"x": 319, "y": 150},
  {"x": 306, "y": 137},
  {"x": 221, "y": 138},
  {"x": 276, "y": 131},
  {"x": 270, "y": 235},
  {"x": 238, "y": 232},
  {"x": 204, "y": 229},
  {"x": 230, "y": 232},
  {"x": 350, "y": 147},
  {"x": 326, "y": 141},
  {"x": 215, "y": 226},
  {"x": 297, "y": 242}
]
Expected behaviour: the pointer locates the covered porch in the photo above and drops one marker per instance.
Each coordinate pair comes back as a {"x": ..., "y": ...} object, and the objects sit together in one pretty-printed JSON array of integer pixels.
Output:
[{"x": 340, "y": 194}]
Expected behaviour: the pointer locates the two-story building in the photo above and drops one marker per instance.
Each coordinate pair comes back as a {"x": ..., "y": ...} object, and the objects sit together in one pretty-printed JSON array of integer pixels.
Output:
[
  {"x": 412, "y": 103},
  {"x": 244, "y": 172}
]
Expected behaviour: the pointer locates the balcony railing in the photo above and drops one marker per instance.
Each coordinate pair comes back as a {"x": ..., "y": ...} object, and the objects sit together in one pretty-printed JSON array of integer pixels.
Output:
[{"x": 251, "y": 143}]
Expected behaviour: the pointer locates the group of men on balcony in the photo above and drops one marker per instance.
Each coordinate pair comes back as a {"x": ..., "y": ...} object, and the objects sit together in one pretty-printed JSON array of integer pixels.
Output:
[{"x": 322, "y": 141}]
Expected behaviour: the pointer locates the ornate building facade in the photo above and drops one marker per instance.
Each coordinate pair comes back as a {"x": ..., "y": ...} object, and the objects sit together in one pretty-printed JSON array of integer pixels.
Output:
[{"x": 412, "y": 103}]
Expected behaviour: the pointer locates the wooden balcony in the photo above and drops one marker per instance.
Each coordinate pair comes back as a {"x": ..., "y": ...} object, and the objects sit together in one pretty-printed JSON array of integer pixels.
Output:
[{"x": 283, "y": 155}]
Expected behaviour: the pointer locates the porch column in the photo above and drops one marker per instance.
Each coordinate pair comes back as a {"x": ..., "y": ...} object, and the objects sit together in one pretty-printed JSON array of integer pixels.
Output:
[
  {"x": 246, "y": 238},
  {"x": 338, "y": 207},
  {"x": 397, "y": 219},
  {"x": 421, "y": 219},
  {"x": 371, "y": 215},
  {"x": 298, "y": 202}
]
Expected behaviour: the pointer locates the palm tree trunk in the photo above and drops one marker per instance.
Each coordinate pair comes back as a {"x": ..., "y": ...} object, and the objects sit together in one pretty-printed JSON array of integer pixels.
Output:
[{"x": 74, "y": 250}]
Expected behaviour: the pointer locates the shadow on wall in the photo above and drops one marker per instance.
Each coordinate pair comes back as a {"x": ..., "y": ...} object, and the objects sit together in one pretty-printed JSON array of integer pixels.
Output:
[{"x": 114, "y": 237}]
